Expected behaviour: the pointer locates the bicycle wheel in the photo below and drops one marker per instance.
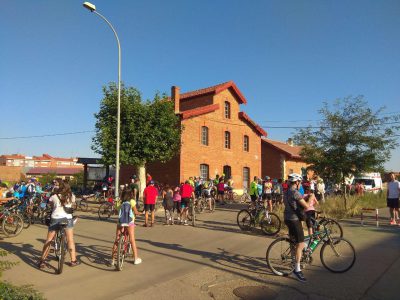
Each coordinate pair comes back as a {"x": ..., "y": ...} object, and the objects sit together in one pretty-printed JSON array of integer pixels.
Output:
[
  {"x": 245, "y": 198},
  {"x": 62, "y": 250},
  {"x": 122, "y": 247},
  {"x": 200, "y": 205},
  {"x": 105, "y": 211},
  {"x": 193, "y": 211},
  {"x": 335, "y": 229},
  {"x": 338, "y": 255},
  {"x": 28, "y": 219},
  {"x": 12, "y": 225},
  {"x": 244, "y": 220},
  {"x": 83, "y": 205},
  {"x": 280, "y": 256},
  {"x": 271, "y": 224}
]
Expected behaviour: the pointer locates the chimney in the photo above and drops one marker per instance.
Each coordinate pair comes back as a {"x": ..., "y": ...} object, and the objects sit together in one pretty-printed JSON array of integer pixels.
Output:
[
  {"x": 290, "y": 142},
  {"x": 176, "y": 97}
]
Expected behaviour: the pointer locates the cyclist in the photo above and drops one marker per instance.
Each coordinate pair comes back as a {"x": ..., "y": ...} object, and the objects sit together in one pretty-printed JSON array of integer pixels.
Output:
[
  {"x": 150, "y": 194},
  {"x": 267, "y": 192},
  {"x": 254, "y": 191},
  {"x": 293, "y": 215},
  {"x": 126, "y": 221},
  {"x": 187, "y": 192},
  {"x": 61, "y": 202},
  {"x": 221, "y": 191},
  {"x": 135, "y": 189}
]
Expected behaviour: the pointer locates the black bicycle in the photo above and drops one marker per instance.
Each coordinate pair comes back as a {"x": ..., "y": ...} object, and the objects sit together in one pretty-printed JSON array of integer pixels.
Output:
[{"x": 60, "y": 245}]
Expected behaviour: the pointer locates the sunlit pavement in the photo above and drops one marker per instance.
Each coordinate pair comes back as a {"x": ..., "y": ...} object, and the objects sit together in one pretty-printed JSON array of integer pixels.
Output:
[{"x": 214, "y": 260}]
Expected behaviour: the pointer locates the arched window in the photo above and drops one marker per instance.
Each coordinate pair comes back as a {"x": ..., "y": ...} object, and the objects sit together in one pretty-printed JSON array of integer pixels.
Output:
[
  {"x": 227, "y": 140},
  {"x": 227, "y": 110},
  {"x": 204, "y": 135},
  {"x": 246, "y": 143},
  {"x": 227, "y": 171},
  {"x": 204, "y": 171},
  {"x": 246, "y": 177}
]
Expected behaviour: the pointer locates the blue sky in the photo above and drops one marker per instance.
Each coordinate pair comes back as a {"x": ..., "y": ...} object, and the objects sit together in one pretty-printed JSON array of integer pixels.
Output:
[{"x": 287, "y": 57}]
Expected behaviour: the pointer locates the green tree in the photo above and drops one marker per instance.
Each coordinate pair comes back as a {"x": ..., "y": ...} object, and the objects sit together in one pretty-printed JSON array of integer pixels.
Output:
[
  {"x": 150, "y": 130},
  {"x": 350, "y": 139}
]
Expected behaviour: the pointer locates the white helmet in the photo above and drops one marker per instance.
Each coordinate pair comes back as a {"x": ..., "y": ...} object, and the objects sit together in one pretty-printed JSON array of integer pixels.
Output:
[{"x": 294, "y": 177}]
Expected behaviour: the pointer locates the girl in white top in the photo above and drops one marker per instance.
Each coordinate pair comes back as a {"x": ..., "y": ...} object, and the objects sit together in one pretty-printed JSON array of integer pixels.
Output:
[{"x": 61, "y": 202}]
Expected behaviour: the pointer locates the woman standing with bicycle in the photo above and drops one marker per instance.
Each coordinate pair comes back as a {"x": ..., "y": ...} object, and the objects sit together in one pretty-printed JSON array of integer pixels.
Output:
[{"x": 61, "y": 202}]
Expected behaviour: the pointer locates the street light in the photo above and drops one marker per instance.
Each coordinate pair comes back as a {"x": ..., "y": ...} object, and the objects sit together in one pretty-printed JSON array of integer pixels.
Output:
[{"x": 92, "y": 8}]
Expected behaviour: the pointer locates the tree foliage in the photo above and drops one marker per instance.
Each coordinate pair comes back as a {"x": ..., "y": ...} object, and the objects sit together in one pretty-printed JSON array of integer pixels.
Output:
[
  {"x": 150, "y": 130},
  {"x": 350, "y": 139}
]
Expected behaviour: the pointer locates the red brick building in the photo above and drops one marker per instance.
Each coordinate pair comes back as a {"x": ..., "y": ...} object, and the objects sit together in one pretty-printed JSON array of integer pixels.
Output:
[
  {"x": 44, "y": 161},
  {"x": 217, "y": 137},
  {"x": 280, "y": 159}
]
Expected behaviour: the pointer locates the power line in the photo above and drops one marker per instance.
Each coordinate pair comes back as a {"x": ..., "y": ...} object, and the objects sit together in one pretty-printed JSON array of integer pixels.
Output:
[{"x": 44, "y": 135}]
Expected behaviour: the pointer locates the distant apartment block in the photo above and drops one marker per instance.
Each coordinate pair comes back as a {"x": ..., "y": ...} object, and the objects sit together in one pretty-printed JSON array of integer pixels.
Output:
[{"x": 44, "y": 161}]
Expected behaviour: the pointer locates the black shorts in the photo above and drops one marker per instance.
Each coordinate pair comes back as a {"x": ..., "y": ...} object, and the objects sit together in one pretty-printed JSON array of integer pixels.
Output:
[
  {"x": 392, "y": 202},
  {"x": 221, "y": 192},
  {"x": 253, "y": 197},
  {"x": 310, "y": 218},
  {"x": 267, "y": 196},
  {"x": 149, "y": 207},
  {"x": 185, "y": 202},
  {"x": 177, "y": 206},
  {"x": 295, "y": 230}
]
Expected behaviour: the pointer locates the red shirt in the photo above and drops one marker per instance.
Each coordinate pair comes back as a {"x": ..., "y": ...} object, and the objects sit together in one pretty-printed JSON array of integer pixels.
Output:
[
  {"x": 150, "y": 194},
  {"x": 186, "y": 190},
  {"x": 221, "y": 186}
]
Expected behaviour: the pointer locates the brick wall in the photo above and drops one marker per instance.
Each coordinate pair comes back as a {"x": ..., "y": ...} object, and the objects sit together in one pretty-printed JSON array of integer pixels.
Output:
[
  {"x": 167, "y": 173},
  {"x": 271, "y": 161},
  {"x": 11, "y": 173},
  {"x": 186, "y": 104}
]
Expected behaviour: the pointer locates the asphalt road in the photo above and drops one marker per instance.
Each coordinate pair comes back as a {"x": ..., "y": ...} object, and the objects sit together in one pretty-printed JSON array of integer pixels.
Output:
[{"x": 214, "y": 260}]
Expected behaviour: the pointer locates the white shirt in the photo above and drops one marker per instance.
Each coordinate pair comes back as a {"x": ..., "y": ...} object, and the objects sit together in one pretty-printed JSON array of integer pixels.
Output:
[
  {"x": 58, "y": 209},
  {"x": 393, "y": 189}
]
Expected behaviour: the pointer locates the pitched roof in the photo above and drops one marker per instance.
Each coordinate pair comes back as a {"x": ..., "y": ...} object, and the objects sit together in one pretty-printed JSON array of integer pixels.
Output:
[
  {"x": 243, "y": 116},
  {"x": 292, "y": 151},
  {"x": 216, "y": 89},
  {"x": 58, "y": 171},
  {"x": 199, "y": 111},
  {"x": 13, "y": 156}
]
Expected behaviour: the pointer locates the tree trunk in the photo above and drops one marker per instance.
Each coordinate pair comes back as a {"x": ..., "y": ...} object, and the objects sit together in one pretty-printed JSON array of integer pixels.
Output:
[
  {"x": 345, "y": 194},
  {"x": 141, "y": 171}
]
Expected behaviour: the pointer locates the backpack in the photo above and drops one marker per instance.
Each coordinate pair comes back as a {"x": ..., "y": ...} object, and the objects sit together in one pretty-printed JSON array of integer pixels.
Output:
[{"x": 125, "y": 213}]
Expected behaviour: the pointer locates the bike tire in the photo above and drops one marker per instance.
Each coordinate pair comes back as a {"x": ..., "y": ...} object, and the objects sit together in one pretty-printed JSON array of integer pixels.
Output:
[
  {"x": 245, "y": 198},
  {"x": 83, "y": 205},
  {"x": 244, "y": 220},
  {"x": 272, "y": 225},
  {"x": 105, "y": 211},
  {"x": 333, "y": 250},
  {"x": 280, "y": 256},
  {"x": 193, "y": 214},
  {"x": 212, "y": 199},
  {"x": 12, "y": 225},
  {"x": 123, "y": 240},
  {"x": 63, "y": 250},
  {"x": 28, "y": 220},
  {"x": 335, "y": 229}
]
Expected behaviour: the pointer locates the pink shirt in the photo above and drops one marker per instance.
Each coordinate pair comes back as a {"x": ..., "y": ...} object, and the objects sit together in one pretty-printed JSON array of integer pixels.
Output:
[
  {"x": 221, "y": 186},
  {"x": 311, "y": 202}
]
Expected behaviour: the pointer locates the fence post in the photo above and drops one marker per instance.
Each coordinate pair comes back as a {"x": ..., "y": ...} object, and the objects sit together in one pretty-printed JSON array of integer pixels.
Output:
[
  {"x": 377, "y": 216},
  {"x": 362, "y": 218}
]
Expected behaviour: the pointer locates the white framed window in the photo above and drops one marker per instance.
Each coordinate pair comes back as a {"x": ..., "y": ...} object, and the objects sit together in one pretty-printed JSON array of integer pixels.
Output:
[
  {"x": 204, "y": 171},
  {"x": 204, "y": 135},
  {"x": 227, "y": 110},
  {"x": 227, "y": 140},
  {"x": 246, "y": 143}
]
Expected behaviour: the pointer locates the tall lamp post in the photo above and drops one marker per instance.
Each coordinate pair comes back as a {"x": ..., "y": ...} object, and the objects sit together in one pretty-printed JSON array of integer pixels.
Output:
[{"x": 92, "y": 8}]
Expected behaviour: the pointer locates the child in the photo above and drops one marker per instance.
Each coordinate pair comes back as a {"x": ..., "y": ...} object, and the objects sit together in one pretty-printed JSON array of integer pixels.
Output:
[
  {"x": 168, "y": 204},
  {"x": 126, "y": 221},
  {"x": 310, "y": 211}
]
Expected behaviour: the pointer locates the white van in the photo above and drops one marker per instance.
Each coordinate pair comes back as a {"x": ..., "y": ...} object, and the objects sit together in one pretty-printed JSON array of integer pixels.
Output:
[{"x": 372, "y": 181}]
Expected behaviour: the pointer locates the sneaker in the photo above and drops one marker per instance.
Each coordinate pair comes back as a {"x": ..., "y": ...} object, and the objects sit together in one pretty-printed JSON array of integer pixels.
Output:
[
  {"x": 393, "y": 222},
  {"x": 300, "y": 277},
  {"x": 74, "y": 263},
  {"x": 185, "y": 223},
  {"x": 137, "y": 261}
]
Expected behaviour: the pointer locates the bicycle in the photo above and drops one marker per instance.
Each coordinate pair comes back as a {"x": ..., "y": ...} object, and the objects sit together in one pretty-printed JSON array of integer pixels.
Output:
[
  {"x": 334, "y": 227},
  {"x": 245, "y": 197},
  {"x": 60, "y": 245},
  {"x": 107, "y": 209},
  {"x": 269, "y": 222},
  {"x": 280, "y": 255},
  {"x": 81, "y": 204},
  {"x": 124, "y": 248},
  {"x": 192, "y": 212},
  {"x": 12, "y": 223}
]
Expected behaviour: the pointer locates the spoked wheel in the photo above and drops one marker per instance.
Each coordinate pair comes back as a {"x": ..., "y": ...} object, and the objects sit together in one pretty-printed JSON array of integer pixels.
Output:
[
  {"x": 28, "y": 219},
  {"x": 244, "y": 220},
  {"x": 281, "y": 256},
  {"x": 12, "y": 225},
  {"x": 61, "y": 254},
  {"x": 123, "y": 248},
  {"x": 105, "y": 211},
  {"x": 212, "y": 200},
  {"x": 270, "y": 224},
  {"x": 335, "y": 229},
  {"x": 83, "y": 205},
  {"x": 338, "y": 255},
  {"x": 200, "y": 205}
]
